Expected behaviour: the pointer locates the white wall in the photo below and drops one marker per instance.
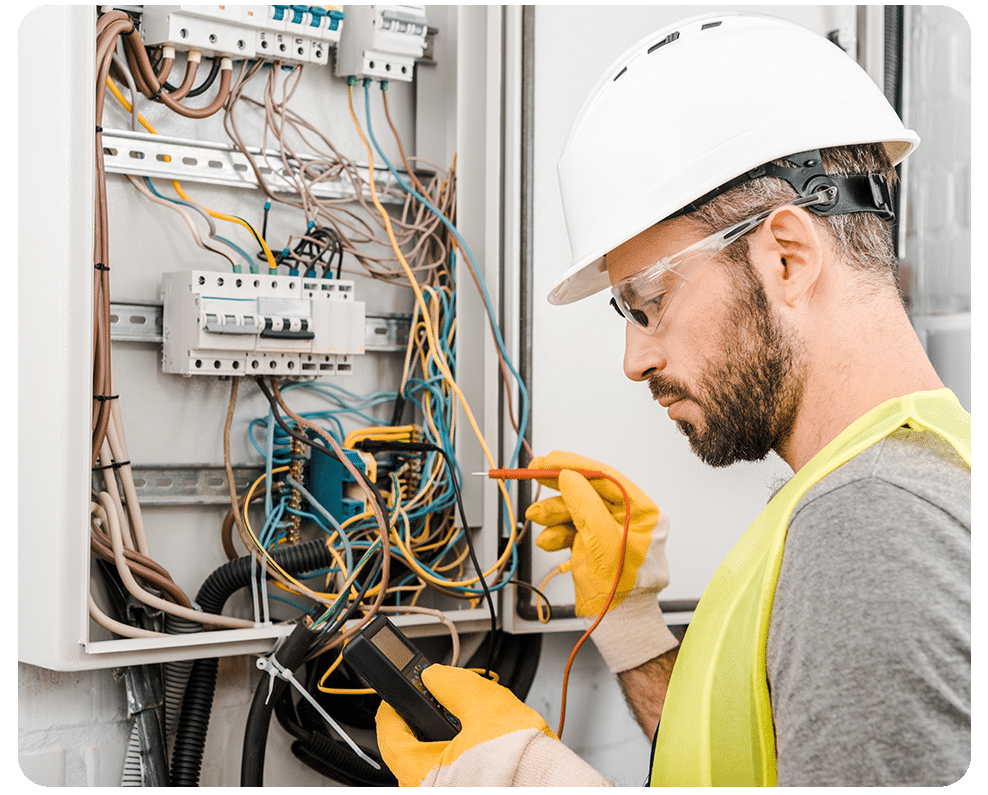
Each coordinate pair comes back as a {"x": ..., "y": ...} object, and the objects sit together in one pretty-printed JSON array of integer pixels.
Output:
[{"x": 936, "y": 260}]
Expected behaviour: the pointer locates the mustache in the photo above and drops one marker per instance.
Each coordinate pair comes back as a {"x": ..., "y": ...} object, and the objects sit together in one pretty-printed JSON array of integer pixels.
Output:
[{"x": 663, "y": 387}]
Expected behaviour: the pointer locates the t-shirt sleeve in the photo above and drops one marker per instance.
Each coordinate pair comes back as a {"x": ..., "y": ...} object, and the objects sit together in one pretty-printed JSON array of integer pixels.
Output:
[{"x": 869, "y": 652}]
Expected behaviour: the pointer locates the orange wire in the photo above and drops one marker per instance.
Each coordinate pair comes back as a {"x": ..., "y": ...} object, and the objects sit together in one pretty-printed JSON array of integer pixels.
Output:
[{"x": 529, "y": 474}]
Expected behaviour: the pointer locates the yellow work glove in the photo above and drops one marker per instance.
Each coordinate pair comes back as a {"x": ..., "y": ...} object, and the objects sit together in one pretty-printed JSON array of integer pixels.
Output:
[
  {"x": 588, "y": 518},
  {"x": 503, "y": 743}
]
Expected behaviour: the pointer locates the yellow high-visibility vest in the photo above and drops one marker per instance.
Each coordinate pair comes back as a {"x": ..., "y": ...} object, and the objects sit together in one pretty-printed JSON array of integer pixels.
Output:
[{"x": 716, "y": 727}]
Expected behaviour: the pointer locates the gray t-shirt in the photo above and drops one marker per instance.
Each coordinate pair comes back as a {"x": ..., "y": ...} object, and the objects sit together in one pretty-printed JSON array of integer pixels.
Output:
[{"x": 869, "y": 645}]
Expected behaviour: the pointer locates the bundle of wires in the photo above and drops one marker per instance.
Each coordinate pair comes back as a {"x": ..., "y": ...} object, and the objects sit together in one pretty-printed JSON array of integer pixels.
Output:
[
  {"x": 360, "y": 230},
  {"x": 308, "y": 254},
  {"x": 118, "y": 533}
]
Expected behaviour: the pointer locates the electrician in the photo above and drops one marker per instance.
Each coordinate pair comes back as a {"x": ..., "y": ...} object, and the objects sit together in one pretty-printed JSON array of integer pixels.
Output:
[{"x": 729, "y": 181}]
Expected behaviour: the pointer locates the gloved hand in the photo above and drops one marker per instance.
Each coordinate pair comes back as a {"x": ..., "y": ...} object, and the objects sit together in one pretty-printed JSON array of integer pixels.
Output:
[
  {"x": 503, "y": 743},
  {"x": 588, "y": 517}
]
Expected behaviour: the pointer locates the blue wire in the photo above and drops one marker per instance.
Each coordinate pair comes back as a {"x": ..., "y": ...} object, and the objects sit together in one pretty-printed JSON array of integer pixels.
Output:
[
  {"x": 231, "y": 244},
  {"x": 522, "y": 391}
]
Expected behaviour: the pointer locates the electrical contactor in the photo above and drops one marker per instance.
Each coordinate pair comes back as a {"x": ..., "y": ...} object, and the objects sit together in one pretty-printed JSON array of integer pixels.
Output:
[{"x": 259, "y": 324}]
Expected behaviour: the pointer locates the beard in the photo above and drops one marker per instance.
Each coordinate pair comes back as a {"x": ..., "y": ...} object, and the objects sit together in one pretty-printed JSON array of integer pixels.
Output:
[{"x": 750, "y": 395}]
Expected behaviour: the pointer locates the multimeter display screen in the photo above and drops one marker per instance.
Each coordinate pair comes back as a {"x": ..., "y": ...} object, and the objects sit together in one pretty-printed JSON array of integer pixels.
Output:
[{"x": 393, "y": 647}]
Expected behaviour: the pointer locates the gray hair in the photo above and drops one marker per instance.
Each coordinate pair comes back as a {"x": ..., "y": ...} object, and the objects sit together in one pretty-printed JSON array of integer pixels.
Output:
[{"x": 863, "y": 240}]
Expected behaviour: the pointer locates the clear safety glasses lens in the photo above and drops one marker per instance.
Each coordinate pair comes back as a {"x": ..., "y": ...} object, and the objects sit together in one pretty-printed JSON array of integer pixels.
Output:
[
  {"x": 643, "y": 297},
  {"x": 643, "y": 303}
]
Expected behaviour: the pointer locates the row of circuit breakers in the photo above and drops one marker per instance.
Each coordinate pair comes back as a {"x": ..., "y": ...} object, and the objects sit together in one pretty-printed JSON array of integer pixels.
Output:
[
  {"x": 259, "y": 324},
  {"x": 263, "y": 324},
  {"x": 378, "y": 41}
]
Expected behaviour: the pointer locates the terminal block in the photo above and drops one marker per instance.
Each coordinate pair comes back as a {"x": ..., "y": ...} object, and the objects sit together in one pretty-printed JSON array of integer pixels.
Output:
[
  {"x": 259, "y": 324},
  {"x": 333, "y": 485}
]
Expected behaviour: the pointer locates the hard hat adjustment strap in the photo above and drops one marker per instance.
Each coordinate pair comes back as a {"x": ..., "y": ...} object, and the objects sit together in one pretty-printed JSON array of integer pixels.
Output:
[{"x": 856, "y": 193}]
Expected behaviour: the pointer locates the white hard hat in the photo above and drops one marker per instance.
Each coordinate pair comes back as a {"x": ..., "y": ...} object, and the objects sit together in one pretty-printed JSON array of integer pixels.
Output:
[{"x": 695, "y": 105}]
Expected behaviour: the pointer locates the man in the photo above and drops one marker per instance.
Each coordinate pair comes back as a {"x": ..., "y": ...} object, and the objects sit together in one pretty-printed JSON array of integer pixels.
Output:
[{"x": 747, "y": 247}]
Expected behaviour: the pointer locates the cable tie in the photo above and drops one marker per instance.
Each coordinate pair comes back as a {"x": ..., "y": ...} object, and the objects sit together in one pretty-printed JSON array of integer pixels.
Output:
[
  {"x": 276, "y": 669},
  {"x": 101, "y": 267},
  {"x": 112, "y": 465},
  {"x": 156, "y": 96},
  {"x": 103, "y": 398},
  {"x": 99, "y": 129}
]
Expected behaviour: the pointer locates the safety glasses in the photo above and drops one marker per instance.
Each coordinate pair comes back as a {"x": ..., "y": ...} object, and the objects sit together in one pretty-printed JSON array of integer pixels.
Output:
[{"x": 644, "y": 297}]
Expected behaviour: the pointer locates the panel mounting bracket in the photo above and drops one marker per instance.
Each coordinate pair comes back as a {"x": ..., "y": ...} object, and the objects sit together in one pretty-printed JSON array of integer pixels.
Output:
[{"x": 165, "y": 157}]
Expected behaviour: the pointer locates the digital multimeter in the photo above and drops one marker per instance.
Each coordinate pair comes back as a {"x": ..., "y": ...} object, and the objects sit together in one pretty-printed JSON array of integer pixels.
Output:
[{"x": 385, "y": 659}]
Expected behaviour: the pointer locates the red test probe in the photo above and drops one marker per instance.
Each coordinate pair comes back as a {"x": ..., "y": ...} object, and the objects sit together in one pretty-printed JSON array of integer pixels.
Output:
[{"x": 534, "y": 474}]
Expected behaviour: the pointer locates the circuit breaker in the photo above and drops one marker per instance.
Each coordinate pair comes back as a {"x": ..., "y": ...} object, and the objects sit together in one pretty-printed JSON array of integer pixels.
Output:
[
  {"x": 259, "y": 324},
  {"x": 292, "y": 33},
  {"x": 382, "y": 42}
]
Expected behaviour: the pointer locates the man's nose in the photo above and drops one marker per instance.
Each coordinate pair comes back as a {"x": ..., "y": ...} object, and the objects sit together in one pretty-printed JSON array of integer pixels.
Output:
[{"x": 642, "y": 354}]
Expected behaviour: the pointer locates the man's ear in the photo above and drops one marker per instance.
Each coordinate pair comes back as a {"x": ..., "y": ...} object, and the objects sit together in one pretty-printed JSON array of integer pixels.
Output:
[{"x": 789, "y": 250}]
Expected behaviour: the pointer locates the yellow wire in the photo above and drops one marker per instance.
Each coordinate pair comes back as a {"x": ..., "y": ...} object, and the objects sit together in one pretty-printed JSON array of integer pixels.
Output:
[
  {"x": 430, "y": 334},
  {"x": 123, "y": 101},
  {"x": 272, "y": 563},
  {"x": 272, "y": 266},
  {"x": 339, "y": 691},
  {"x": 410, "y": 560},
  {"x": 538, "y": 605}
]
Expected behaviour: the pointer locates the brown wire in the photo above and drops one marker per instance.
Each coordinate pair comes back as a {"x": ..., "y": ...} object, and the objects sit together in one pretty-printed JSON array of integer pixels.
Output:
[
  {"x": 147, "y": 81},
  {"x": 354, "y": 230},
  {"x": 150, "y": 575},
  {"x": 110, "y": 27}
]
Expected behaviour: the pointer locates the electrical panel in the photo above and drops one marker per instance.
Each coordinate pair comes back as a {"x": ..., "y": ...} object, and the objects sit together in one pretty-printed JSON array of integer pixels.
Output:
[{"x": 186, "y": 316}]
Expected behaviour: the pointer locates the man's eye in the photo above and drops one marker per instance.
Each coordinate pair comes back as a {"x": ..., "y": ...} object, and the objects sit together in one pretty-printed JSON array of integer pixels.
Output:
[
  {"x": 639, "y": 317},
  {"x": 655, "y": 303}
]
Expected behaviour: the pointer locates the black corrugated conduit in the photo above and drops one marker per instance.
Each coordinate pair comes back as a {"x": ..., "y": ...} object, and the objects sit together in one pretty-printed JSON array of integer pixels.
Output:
[
  {"x": 516, "y": 663},
  {"x": 193, "y": 723}
]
